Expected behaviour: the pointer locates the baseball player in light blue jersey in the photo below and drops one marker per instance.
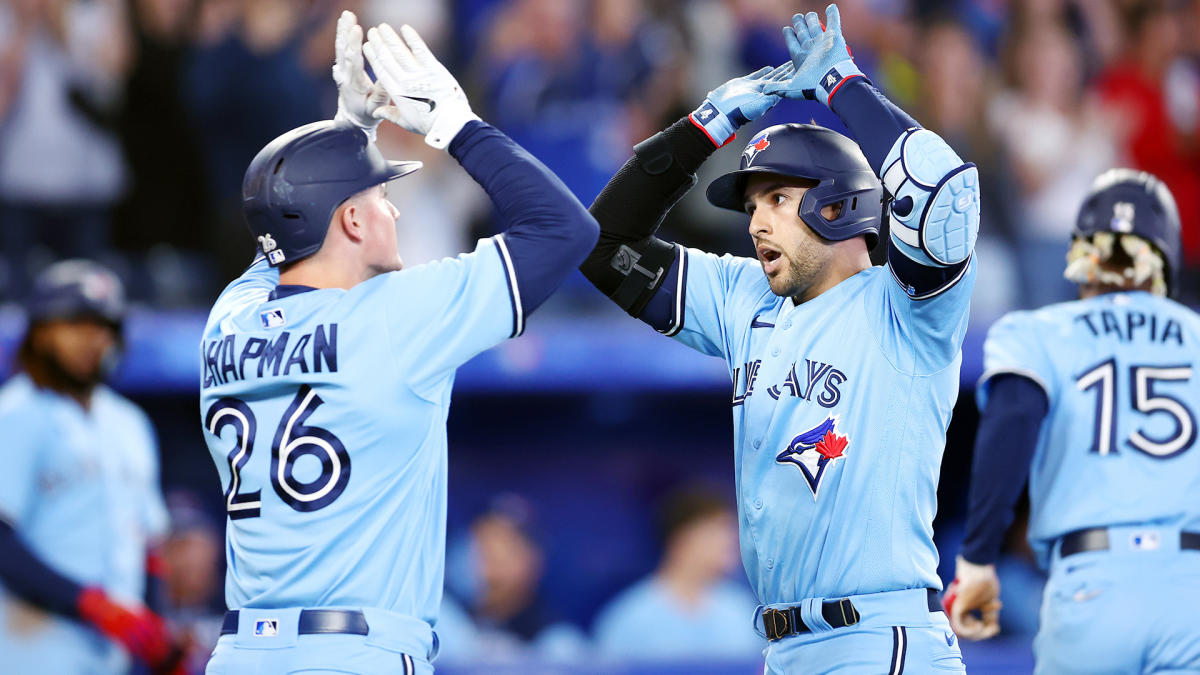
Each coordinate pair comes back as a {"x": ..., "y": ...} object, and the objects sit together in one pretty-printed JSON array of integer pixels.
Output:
[
  {"x": 80, "y": 505},
  {"x": 844, "y": 374},
  {"x": 1100, "y": 397},
  {"x": 327, "y": 368}
]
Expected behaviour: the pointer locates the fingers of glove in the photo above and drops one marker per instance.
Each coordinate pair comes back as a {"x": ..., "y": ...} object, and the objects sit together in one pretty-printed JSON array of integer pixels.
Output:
[
  {"x": 341, "y": 37},
  {"x": 401, "y": 50},
  {"x": 784, "y": 72},
  {"x": 387, "y": 69},
  {"x": 833, "y": 19},
  {"x": 800, "y": 26},
  {"x": 377, "y": 95},
  {"x": 814, "y": 25},
  {"x": 793, "y": 42},
  {"x": 759, "y": 73},
  {"x": 419, "y": 49}
]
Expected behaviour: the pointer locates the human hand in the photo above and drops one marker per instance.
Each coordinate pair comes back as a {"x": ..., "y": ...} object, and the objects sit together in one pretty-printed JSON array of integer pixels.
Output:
[
  {"x": 820, "y": 55},
  {"x": 358, "y": 96},
  {"x": 426, "y": 99},
  {"x": 976, "y": 588},
  {"x": 737, "y": 102}
]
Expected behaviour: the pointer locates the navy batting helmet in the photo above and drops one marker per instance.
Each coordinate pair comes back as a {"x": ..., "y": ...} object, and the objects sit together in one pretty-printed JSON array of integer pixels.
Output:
[
  {"x": 295, "y": 183},
  {"x": 816, "y": 153},
  {"x": 1127, "y": 201},
  {"x": 77, "y": 289}
]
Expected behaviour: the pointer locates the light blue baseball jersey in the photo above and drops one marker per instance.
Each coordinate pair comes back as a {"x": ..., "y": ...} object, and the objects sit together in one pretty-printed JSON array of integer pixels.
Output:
[
  {"x": 647, "y": 622},
  {"x": 840, "y": 408},
  {"x": 325, "y": 412},
  {"x": 80, "y": 487},
  {"x": 1118, "y": 442}
]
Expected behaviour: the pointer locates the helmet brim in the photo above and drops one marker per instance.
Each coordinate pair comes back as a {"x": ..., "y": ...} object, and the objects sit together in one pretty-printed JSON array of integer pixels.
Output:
[
  {"x": 729, "y": 191},
  {"x": 400, "y": 169}
]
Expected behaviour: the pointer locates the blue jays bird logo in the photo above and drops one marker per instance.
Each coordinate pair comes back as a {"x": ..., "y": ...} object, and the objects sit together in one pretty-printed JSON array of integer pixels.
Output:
[
  {"x": 813, "y": 450},
  {"x": 757, "y": 145}
]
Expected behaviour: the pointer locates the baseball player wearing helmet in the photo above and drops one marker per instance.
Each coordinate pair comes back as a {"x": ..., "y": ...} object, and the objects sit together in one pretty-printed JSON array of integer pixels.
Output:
[
  {"x": 844, "y": 375},
  {"x": 327, "y": 368},
  {"x": 79, "y": 498},
  {"x": 1096, "y": 402}
]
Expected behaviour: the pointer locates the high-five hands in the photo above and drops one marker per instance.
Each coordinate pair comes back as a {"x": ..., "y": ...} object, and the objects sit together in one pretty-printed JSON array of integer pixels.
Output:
[
  {"x": 820, "y": 55},
  {"x": 426, "y": 99},
  {"x": 358, "y": 97}
]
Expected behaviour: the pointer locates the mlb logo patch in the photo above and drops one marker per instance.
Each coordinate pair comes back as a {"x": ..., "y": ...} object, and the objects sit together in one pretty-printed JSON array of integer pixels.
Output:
[
  {"x": 272, "y": 318},
  {"x": 1145, "y": 541},
  {"x": 1123, "y": 215},
  {"x": 266, "y": 628},
  {"x": 275, "y": 257}
]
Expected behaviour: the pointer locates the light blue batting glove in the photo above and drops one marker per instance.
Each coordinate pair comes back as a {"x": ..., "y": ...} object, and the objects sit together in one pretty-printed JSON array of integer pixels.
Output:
[
  {"x": 737, "y": 102},
  {"x": 822, "y": 59}
]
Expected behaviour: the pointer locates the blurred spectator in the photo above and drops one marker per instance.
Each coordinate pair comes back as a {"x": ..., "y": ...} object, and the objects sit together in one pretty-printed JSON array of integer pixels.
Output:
[
  {"x": 167, "y": 211},
  {"x": 688, "y": 608},
  {"x": 505, "y": 558},
  {"x": 1057, "y": 142},
  {"x": 61, "y": 168},
  {"x": 80, "y": 506},
  {"x": 260, "y": 67},
  {"x": 192, "y": 557},
  {"x": 1156, "y": 94}
]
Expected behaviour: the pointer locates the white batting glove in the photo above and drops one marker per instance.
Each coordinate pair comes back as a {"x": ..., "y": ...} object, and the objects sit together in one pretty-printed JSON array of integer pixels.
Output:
[
  {"x": 426, "y": 99},
  {"x": 358, "y": 97},
  {"x": 976, "y": 588}
]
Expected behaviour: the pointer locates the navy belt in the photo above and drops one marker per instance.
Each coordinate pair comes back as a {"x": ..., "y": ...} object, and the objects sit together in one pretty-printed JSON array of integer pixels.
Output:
[
  {"x": 780, "y": 623},
  {"x": 1096, "y": 539},
  {"x": 314, "y": 622}
]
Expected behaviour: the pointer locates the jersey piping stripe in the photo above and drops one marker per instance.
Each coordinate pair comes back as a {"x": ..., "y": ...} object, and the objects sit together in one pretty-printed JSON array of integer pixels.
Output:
[
  {"x": 899, "y": 648},
  {"x": 680, "y": 291},
  {"x": 408, "y": 665},
  {"x": 513, "y": 290}
]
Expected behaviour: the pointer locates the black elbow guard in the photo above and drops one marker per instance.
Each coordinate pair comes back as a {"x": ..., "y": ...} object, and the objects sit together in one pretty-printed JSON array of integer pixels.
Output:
[
  {"x": 654, "y": 154},
  {"x": 643, "y": 266}
]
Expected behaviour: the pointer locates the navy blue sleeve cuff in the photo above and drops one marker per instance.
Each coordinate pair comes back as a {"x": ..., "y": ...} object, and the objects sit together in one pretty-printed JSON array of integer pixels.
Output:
[
  {"x": 875, "y": 121},
  {"x": 1004, "y": 446}
]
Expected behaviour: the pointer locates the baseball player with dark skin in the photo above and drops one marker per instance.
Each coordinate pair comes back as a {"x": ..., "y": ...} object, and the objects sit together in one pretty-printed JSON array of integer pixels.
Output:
[
  {"x": 1095, "y": 401},
  {"x": 844, "y": 375},
  {"x": 79, "y": 499},
  {"x": 328, "y": 366}
]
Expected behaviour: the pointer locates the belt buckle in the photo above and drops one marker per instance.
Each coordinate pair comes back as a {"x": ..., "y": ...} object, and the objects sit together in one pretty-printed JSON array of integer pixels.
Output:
[
  {"x": 776, "y": 624},
  {"x": 849, "y": 615}
]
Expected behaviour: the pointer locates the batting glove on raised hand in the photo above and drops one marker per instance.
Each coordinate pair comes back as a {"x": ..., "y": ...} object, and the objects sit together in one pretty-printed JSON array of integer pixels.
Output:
[
  {"x": 426, "y": 99},
  {"x": 737, "y": 102},
  {"x": 976, "y": 588},
  {"x": 822, "y": 59},
  {"x": 358, "y": 97},
  {"x": 138, "y": 629}
]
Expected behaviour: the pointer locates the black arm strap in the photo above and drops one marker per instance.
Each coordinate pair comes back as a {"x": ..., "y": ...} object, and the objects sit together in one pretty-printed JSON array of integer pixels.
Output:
[{"x": 629, "y": 263}]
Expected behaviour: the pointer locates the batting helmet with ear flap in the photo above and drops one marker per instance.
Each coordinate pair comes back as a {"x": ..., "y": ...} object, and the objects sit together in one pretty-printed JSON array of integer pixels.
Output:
[
  {"x": 295, "y": 183},
  {"x": 77, "y": 289},
  {"x": 819, "y": 154},
  {"x": 1127, "y": 201}
]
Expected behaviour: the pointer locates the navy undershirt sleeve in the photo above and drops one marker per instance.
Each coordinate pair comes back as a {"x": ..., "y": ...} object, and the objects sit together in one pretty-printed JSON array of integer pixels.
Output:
[
  {"x": 875, "y": 121},
  {"x": 1004, "y": 447},
  {"x": 30, "y": 579},
  {"x": 548, "y": 232}
]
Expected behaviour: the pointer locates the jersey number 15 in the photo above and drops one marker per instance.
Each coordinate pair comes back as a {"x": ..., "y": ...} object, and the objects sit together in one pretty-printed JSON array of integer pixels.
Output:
[
  {"x": 293, "y": 440},
  {"x": 1144, "y": 399}
]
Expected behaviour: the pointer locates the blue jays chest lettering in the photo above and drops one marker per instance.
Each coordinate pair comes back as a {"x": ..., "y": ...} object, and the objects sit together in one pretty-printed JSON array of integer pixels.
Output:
[{"x": 807, "y": 382}]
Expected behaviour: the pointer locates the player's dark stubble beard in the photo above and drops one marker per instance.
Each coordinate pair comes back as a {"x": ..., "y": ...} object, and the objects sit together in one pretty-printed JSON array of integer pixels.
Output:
[
  {"x": 47, "y": 372},
  {"x": 806, "y": 266}
]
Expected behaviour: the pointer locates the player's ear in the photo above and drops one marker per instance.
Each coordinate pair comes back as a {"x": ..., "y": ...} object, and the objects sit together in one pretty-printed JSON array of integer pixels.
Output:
[{"x": 347, "y": 220}]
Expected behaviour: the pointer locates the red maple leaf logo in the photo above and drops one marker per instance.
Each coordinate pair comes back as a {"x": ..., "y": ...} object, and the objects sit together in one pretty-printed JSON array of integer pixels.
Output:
[
  {"x": 761, "y": 144},
  {"x": 832, "y": 445}
]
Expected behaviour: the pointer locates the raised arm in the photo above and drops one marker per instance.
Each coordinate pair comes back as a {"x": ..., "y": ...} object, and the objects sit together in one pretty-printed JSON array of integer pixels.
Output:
[
  {"x": 933, "y": 195},
  {"x": 638, "y": 271},
  {"x": 548, "y": 231}
]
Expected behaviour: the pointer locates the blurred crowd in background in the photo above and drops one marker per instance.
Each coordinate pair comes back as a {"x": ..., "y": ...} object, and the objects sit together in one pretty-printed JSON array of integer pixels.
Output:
[{"x": 126, "y": 125}]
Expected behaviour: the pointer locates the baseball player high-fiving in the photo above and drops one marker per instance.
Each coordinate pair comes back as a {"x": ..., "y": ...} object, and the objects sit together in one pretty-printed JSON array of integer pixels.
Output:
[
  {"x": 844, "y": 375},
  {"x": 327, "y": 368}
]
